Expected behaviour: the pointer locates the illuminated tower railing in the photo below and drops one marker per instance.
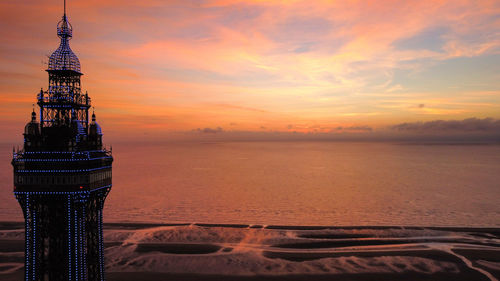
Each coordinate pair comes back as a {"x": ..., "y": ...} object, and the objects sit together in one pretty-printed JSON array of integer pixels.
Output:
[{"x": 62, "y": 177}]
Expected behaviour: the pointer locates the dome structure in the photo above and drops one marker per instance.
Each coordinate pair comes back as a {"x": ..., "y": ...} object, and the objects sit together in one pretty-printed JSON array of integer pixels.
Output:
[
  {"x": 63, "y": 58},
  {"x": 95, "y": 128},
  {"x": 32, "y": 128}
]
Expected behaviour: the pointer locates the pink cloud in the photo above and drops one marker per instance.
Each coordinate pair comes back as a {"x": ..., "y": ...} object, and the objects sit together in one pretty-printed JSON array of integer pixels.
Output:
[{"x": 253, "y": 63}]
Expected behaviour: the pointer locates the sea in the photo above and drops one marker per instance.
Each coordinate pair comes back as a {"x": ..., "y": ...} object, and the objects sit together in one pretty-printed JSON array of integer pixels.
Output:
[{"x": 296, "y": 183}]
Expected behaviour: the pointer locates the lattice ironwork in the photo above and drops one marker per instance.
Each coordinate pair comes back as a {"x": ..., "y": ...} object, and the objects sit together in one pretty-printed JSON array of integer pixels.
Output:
[
  {"x": 63, "y": 234},
  {"x": 63, "y": 58},
  {"x": 62, "y": 177}
]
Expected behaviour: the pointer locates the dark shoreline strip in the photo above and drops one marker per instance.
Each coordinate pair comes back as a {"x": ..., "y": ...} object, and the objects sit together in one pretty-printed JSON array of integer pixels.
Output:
[
  {"x": 335, "y": 235},
  {"x": 410, "y": 276},
  {"x": 222, "y": 225},
  {"x": 158, "y": 276},
  {"x": 177, "y": 248},
  {"x": 376, "y": 242},
  {"x": 308, "y": 256},
  {"x": 8, "y": 225}
]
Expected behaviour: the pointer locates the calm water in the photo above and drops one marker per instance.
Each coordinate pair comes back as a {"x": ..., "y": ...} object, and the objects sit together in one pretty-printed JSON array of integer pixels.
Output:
[{"x": 297, "y": 183}]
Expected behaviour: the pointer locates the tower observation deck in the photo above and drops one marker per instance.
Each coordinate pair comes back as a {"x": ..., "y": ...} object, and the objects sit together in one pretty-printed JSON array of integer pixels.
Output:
[{"x": 62, "y": 176}]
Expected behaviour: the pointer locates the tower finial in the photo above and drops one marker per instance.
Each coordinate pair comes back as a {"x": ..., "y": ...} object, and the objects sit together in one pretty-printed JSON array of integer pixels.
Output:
[
  {"x": 33, "y": 114},
  {"x": 63, "y": 58}
]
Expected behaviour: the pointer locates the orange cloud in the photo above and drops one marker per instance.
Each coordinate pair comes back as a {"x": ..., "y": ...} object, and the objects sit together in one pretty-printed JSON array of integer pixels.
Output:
[{"x": 176, "y": 65}]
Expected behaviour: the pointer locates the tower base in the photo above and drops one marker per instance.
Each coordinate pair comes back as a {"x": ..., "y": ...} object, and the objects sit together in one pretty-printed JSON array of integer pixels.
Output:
[{"x": 63, "y": 230}]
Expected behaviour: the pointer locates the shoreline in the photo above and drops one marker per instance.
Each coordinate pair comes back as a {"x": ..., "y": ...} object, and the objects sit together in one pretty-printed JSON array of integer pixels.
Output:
[
  {"x": 18, "y": 224},
  {"x": 202, "y": 251}
]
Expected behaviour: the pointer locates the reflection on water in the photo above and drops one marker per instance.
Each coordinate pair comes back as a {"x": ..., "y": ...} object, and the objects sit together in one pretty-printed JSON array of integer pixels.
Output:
[{"x": 297, "y": 183}]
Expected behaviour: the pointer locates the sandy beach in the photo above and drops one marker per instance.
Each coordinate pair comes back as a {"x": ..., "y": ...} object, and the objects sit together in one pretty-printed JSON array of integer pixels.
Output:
[{"x": 256, "y": 252}]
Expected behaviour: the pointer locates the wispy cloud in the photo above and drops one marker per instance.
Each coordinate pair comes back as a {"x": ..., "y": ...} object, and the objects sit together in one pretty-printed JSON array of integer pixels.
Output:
[
  {"x": 177, "y": 65},
  {"x": 444, "y": 126},
  {"x": 210, "y": 130}
]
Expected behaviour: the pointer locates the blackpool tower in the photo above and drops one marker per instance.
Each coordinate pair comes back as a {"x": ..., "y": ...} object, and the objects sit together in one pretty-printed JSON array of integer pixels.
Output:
[{"x": 62, "y": 176}]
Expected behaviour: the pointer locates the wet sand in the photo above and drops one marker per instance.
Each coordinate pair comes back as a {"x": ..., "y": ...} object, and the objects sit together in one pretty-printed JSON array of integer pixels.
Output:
[{"x": 255, "y": 252}]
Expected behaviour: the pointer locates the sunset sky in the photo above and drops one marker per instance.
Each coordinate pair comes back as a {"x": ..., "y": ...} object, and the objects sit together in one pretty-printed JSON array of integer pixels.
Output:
[{"x": 322, "y": 67}]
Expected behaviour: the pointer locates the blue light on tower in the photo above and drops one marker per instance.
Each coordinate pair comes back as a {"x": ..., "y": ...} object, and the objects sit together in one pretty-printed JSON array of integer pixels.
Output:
[{"x": 62, "y": 176}]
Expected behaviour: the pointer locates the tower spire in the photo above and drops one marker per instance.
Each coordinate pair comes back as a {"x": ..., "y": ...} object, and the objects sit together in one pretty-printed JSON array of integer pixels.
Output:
[{"x": 63, "y": 58}]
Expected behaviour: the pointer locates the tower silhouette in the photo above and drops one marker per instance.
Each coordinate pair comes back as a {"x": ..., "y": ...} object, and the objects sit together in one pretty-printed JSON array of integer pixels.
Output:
[{"x": 62, "y": 176}]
